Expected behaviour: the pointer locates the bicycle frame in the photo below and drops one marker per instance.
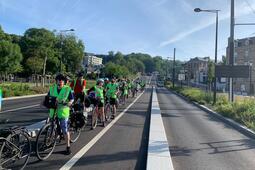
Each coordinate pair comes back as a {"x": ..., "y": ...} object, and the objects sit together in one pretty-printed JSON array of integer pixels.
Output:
[{"x": 12, "y": 147}]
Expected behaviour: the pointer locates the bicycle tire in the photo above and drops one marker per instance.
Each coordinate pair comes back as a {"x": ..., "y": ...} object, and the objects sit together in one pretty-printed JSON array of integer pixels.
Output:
[
  {"x": 74, "y": 134},
  {"x": 94, "y": 118},
  {"x": 50, "y": 146},
  {"x": 107, "y": 112},
  {"x": 18, "y": 141}
]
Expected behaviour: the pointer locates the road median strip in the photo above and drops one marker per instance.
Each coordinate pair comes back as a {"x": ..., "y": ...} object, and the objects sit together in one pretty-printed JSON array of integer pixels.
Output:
[{"x": 158, "y": 156}]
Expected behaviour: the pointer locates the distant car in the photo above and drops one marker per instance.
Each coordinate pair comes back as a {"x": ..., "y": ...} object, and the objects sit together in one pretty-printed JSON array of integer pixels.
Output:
[{"x": 160, "y": 84}]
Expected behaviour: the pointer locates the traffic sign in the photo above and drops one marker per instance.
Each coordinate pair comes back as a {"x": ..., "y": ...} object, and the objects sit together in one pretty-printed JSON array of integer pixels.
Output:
[{"x": 237, "y": 71}]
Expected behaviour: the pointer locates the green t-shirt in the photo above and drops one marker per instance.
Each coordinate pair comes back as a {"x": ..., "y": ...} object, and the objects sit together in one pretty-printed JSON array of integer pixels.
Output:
[{"x": 112, "y": 89}]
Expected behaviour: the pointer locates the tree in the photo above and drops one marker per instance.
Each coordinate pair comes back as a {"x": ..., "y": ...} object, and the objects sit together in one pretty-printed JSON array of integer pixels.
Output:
[
  {"x": 210, "y": 74},
  {"x": 72, "y": 50},
  {"x": 38, "y": 43},
  {"x": 224, "y": 60},
  {"x": 35, "y": 64},
  {"x": 10, "y": 57}
]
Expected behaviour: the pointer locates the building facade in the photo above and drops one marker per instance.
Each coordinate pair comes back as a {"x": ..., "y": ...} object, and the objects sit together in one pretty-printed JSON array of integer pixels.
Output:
[
  {"x": 244, "y": 54},
  {"x": 91, "y": 60},
  {"x": 197, "y": 69}
]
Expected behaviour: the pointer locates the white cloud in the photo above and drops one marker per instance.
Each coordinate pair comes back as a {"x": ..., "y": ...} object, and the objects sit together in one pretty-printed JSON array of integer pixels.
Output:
[{"x": 245, "y": 10}]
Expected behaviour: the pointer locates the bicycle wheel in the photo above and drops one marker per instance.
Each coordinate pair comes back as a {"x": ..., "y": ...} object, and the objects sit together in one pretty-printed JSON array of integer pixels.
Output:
[
  {"x": 74, "y": 134},
  {"x": 94, "y": 119},
  {"x": 17, "y": 151},
  {"x": 46, "y": 141},
  {"x": 107, "y": 111}
]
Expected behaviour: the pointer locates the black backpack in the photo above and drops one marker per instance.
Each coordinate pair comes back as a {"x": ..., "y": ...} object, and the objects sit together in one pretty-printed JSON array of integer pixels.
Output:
[
  {"x": 50, "y": 102},
  {"x": 77, "y": 120}
]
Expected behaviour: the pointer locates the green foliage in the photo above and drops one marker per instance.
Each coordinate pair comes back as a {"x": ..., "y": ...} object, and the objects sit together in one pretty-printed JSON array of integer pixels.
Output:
[
  {"x": 10, "y": 56},
  {"x": 115, "y": 70},
  {"x": 210, "y": 72},
  {"x": 38, "y": 44},
  {"x": 21, "y": 89},
  {"x": 72, "y": 50},
  {"x": 35, "y": 64}
]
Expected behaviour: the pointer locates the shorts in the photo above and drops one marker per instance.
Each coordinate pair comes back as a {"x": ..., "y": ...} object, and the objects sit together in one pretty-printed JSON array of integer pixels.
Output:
[
  {"x": 100, "y": 103},
  {"x": 113, "y": 101},
  {"x": 64, "y": 125}
]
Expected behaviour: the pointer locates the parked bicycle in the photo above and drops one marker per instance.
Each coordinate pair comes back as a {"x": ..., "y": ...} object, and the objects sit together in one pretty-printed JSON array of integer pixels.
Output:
[{"x": 15, "y": 148}]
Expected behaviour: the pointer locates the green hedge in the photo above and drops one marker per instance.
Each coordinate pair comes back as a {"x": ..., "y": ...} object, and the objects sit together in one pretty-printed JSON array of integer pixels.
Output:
[{"x": 22, "y": 89}]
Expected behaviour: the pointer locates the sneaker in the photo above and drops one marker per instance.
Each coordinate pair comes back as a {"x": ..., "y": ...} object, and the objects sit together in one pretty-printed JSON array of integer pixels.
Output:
[
  {"x": 68, "y": 151},
  {"x": 113, "y": 116}
]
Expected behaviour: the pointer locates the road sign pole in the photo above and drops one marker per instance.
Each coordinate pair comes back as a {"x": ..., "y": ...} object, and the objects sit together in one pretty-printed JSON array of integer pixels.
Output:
[
  {"x": 231, "y": 48},
  {"x": 174, "y": 68}
]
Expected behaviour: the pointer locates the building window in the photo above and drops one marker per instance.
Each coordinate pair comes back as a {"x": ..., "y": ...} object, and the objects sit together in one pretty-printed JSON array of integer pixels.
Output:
[
  {"x": 239, "y": 44},
  {"x": 246, "y": 54},
  {"x": 250, "y": 42}
]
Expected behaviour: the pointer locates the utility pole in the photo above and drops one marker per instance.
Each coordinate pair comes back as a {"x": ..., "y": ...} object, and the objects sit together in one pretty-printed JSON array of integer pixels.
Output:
[
  {"x": 174, "y": 68},
  {"x": 231, "y": 48}
]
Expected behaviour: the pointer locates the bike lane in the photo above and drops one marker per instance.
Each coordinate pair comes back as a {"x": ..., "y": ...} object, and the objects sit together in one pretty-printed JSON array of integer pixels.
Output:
[{"x": 132, "y": 126}]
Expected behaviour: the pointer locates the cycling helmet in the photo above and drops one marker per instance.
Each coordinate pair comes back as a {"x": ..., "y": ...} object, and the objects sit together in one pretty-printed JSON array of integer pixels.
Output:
[
  {"x": 106, "y": 79},
  {"x": 100, "y": 81},
  {"x": 60, "y": 77}
]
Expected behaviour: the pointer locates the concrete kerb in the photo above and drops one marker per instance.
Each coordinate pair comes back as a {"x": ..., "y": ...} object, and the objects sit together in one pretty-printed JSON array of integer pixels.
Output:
[
  {"x": 158, "y": 155},
  {"x": 241, "y": 128},
  {"x": 23, "y": 97}
]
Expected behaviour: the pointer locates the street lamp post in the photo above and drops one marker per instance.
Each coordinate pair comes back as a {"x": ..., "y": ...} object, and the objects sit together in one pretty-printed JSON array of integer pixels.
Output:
[
  {"x": 216, "y": 47},
  {"x": 61, "y": 46},
  {"x": 250, "y": 65}
]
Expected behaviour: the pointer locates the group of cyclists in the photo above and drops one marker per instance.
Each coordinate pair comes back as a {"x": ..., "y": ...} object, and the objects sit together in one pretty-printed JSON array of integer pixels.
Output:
[{"x": 105, "y": 92}]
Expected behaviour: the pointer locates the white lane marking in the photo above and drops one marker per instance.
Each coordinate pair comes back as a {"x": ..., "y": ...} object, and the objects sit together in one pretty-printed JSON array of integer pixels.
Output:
[
  {"x": 79, "y": 154},
  {"x": 158, "y": 156},
  {"x": 20, "y": 108},
  {"x": 23, "y": 97}
]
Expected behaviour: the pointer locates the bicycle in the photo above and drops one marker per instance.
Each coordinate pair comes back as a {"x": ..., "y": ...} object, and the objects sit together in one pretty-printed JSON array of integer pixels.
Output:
[
  {"x": 95, "y": 115},
  {"x": 15, "y": 148},
  {"x": 78, "y": 120},
  {"x": 47, "y": 137},
  {"x": 108, "y": 110}
]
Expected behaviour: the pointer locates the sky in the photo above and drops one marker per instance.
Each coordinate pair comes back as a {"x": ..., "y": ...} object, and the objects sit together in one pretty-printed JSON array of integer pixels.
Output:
[{"x": 155, "y": 27}]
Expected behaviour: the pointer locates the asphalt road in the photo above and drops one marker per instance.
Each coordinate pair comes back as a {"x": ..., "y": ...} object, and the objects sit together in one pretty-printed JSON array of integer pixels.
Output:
[
  {"x": 123, "y": 146},
  {"x": 16, "y": 113},
  {"x": 198, "y": 140}
]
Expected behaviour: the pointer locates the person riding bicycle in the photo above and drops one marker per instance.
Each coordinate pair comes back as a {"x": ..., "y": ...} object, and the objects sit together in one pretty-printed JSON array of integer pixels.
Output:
[
  {"x": 64, "y": 98},
  {"x": 79, "y": 85},
  {"x": 112, "y": 91},
  {"x": 106, "y": 83},
  {"x": 99, "y": 92}
]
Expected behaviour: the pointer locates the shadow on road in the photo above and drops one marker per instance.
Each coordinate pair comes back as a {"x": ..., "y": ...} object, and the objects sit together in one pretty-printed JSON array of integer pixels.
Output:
[{"x": 218, "y": 147}]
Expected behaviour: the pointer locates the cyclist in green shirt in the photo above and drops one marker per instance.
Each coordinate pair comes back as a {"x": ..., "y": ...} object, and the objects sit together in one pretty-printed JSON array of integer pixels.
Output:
[
  {"x": 99, "y": 90},
  {"x": 112, "y": 91}
]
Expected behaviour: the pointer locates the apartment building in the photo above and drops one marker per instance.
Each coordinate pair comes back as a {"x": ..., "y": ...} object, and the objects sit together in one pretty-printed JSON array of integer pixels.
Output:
[
  {"x": 244, "y": 54},
  {"x": 197, "y": 69}
]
